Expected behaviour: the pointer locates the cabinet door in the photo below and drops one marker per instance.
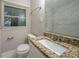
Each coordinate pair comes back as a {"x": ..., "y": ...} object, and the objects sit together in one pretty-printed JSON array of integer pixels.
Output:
[{"x": 35, "y": 53}]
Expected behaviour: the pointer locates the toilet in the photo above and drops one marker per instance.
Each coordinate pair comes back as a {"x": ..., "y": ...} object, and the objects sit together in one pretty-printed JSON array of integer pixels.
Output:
[{"x": 22, "y": 51}]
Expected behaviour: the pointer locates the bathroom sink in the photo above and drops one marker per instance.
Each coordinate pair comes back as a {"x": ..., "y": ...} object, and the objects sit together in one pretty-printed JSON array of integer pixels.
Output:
[{"x": 54, "y": 47}]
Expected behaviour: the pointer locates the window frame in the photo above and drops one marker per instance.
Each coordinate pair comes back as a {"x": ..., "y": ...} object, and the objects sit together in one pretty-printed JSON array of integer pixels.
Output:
[
  {"x": 14, "y": 16},
  {"x": 6, "y": 3}
]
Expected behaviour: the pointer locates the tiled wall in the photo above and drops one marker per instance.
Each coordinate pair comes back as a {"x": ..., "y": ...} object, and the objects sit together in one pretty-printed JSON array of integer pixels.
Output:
[
  {"x": 37, "y": 17},
  {"x": 63, "y": 16},
  {"x": 63, "y": 38}
]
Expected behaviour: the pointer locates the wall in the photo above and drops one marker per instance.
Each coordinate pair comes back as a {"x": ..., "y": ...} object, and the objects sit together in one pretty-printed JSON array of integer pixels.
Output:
[
  {"x": 19, "y": 33},
  {"x": 21, "y": 2},
  {"x": 63, "y": 16},
  {"x": 37, "y": 17},
  {"x": 0, "y": 25},
  {"x": 0, "y": 12},
  {"x": 0, "y": 44}
]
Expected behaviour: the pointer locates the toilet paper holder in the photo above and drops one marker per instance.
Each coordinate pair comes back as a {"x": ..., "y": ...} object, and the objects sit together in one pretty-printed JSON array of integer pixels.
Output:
[{"x": 10, "y": 38}]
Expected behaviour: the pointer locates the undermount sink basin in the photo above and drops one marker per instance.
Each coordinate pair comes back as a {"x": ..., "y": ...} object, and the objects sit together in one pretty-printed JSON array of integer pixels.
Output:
[{"x": 54, "y": 47}]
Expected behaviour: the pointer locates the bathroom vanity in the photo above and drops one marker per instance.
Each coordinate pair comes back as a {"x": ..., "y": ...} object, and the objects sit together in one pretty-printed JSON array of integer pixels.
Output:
[
  {"x": 34, "y": 52},
  {"x": 49, "y": 46}
]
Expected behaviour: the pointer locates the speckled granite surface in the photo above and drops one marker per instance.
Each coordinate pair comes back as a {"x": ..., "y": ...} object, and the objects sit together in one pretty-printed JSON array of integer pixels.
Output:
[
  {"x": 63, "y": 38},
  {"x": 73, "y": 51}
]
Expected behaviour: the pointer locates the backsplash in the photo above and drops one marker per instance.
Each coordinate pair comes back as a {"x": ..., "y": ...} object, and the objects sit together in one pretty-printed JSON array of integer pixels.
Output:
[{"x": 63, "y": 38}]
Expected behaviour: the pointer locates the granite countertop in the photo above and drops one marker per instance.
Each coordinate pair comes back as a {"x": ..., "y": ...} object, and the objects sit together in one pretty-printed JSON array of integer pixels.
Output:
[{"x": 73, "y": 51}]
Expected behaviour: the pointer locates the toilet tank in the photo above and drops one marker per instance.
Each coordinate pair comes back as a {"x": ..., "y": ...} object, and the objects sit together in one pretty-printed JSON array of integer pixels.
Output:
[{"x": 31, "y": 36}]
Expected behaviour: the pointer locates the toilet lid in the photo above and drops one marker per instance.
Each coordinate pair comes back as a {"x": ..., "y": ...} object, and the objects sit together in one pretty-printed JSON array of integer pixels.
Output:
[{"x": 23, "y": 47}]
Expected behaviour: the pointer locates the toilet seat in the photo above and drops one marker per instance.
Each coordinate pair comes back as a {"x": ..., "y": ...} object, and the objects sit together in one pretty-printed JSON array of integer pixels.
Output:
[
  {"x": 22, "y": 51},
  {"x": 23, "y": 47}
]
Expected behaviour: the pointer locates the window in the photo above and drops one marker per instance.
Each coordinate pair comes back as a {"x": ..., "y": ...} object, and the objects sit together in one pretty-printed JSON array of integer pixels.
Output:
[{"x": 14, "y": 16}]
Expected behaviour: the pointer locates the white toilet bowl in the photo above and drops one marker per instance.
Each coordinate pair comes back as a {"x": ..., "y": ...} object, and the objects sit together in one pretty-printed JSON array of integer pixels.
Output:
[{"x": 22, "y": 51}]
